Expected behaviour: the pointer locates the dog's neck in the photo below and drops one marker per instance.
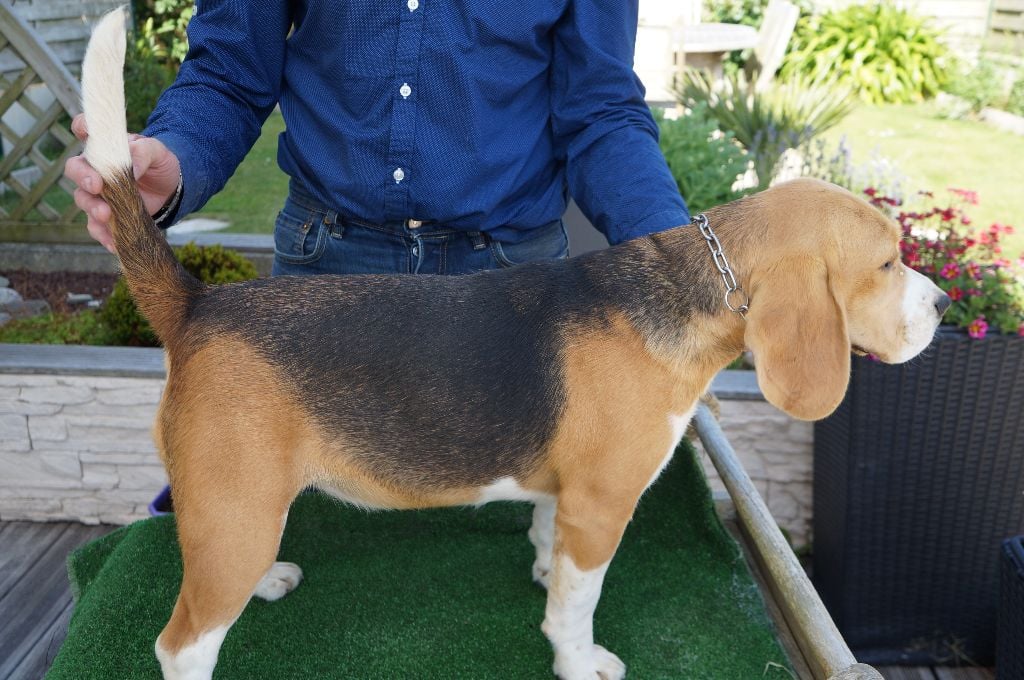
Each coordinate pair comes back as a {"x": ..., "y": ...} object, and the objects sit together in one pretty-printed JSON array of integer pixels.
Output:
[{"x": 673, "y": 294}]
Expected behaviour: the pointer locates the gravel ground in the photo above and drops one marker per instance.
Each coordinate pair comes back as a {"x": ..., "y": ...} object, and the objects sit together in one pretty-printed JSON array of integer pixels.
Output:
[{"x": 55, "y": 286}]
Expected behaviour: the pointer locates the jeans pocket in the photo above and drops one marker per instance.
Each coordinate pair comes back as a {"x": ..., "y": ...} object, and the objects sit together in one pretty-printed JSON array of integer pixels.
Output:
[
  {"x": 299, "y": 235},
  {"x": 551, "y": 243}
]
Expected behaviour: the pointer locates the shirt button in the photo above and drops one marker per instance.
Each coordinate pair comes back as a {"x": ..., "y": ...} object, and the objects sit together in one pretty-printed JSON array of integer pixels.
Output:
[
  {"x": 413, "y": 4},
  {"x": 405, "y": 90},
  {"x": 398, "y": 174}
]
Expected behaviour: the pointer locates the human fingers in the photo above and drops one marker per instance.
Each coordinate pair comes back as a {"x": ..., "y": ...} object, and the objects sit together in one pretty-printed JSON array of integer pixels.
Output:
[
  {"x": 98, "y": 214},
  {"x": 101, "y": 233},
  {"x": 79, "y": 128},
  {"x": 78, "y": 170}
]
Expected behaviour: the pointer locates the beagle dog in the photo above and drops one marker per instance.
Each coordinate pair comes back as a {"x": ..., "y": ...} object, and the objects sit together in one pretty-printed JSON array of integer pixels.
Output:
[{"x": 567, "y": 384}]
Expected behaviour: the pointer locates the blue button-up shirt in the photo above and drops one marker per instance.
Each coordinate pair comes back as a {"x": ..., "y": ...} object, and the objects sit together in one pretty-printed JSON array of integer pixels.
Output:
[{"x": 478, "y": 114}]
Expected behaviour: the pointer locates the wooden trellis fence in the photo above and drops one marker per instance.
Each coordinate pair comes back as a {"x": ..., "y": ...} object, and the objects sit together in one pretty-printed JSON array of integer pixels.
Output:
[
  {"x": 38, "y": 97},
  {"x": 1006, "y": 25}
]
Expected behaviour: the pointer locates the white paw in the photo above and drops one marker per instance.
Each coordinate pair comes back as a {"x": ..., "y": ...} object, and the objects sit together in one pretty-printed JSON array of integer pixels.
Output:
[
  {"x": 541, "y": 574},
  {"x": 595, "y": 664},
  {"x": 281, "y": 579}
]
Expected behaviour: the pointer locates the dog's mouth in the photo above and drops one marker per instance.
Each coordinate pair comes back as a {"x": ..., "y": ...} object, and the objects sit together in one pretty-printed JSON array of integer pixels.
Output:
[{"x": 859, "y": 351}]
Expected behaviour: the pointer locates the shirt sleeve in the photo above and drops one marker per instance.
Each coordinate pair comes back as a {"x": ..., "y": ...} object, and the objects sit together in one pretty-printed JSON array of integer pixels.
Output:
[
  {"x": 604, "y": 128},
  {"x": 227, "y": 86}
]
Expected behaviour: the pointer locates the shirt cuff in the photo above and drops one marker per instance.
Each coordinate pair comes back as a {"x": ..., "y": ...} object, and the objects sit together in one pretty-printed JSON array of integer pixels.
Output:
[
  {"x": 659, "y": 221},
  {"x": 195, "y": 181}
]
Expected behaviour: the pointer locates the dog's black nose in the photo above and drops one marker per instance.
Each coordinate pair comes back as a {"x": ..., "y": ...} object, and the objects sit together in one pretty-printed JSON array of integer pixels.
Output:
[{"x": 942, "y": 304}]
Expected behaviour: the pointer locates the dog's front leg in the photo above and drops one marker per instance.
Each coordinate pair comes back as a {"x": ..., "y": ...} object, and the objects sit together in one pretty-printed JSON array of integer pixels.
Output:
[{"x": 586, "y": 537}]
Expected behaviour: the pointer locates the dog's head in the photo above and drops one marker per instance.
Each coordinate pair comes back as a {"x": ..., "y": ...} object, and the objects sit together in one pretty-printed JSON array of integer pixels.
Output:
[{"x": 825, "y": 279}]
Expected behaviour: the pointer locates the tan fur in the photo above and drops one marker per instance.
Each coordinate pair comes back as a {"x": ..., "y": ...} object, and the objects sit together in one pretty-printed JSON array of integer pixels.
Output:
[
  {"x": 614, "y": 435},
  {"x": 233, "y": 455},
  {"x": 809, "y": 291}
]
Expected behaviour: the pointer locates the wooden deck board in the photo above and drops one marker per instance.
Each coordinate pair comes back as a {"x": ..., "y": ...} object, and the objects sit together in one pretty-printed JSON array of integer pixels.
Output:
[
  {"x": 905, "y": 673},
  {"x": 964, "y": 673},
  {"x": 35, "y": 597}
]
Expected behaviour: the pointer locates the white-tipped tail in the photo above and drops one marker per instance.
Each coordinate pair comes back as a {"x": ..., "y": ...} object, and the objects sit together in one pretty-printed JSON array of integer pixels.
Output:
[{"x": 103, "y": 96}]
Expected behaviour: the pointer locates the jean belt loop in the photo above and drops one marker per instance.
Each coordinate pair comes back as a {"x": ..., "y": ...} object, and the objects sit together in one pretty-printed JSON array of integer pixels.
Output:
[
  {"x": 336, "y": 226},
  {"x": 478, "y": 240}
]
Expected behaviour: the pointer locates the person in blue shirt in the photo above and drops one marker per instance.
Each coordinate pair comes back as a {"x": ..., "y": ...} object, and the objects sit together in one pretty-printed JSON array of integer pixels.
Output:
[{"x": 421, "y": 136}]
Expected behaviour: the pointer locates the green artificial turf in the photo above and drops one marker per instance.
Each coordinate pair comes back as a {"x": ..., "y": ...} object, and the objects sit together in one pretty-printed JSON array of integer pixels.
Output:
[{"x": 438, "y": 594}]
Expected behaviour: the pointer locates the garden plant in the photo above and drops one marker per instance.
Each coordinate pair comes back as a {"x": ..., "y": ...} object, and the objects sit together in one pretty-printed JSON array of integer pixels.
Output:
[
  {"x": 118, "y": 321},
  {"x": 885, "y": 52},
  {"x": 705, "y": 162},
  {"x": 941, "y": 242},
  {"x": 785, "y": 116}
]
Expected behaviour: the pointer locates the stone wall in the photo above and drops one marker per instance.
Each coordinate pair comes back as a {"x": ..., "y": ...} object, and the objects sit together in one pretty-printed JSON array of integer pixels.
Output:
[
  {"x": 78, "y": 448},
  {"x": 75, "y": 438},
  {"x": 777, "y": 453}
]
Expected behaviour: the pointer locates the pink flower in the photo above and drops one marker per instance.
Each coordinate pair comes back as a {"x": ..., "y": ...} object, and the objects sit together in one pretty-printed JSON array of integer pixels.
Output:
[
  {"x": 973, "y": 270},
  {"x": 968, "y": 196},
  {"x": 871, "y": 191},
  {"x": 1020, "y": 331},
  {"x": 950, "y": 271},
  {"x": 955, "y": 294},
  {"x": 978, "y": 328}
]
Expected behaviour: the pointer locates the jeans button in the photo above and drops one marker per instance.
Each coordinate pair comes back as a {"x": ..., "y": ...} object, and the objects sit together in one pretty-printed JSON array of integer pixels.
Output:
[{"x": 414, "y": 224}]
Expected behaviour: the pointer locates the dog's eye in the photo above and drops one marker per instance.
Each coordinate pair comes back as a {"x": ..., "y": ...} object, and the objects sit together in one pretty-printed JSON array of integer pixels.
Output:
[{"x": 888, "y": 265}]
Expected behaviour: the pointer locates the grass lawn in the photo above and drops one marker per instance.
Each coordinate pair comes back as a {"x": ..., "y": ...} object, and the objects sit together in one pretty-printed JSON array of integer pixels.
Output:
[
  {"x": 257, "y": 190},
  {"x": 935, "y": 154}
]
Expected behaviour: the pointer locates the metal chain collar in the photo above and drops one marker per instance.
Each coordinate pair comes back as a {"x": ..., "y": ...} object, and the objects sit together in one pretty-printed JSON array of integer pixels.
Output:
[{"x": 731, "y": 287}]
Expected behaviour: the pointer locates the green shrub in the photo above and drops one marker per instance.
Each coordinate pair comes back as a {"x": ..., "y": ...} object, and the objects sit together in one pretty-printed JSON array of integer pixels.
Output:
[
  {"x": 148, "y": 77},
  {"x": 980, "y": 85},
  {"x": 884, "y": 52},
  {"x": 161, "y": 28},
  {"x": 704, "y": 163},
  {"x": 1015, "y": 102},
  {"x": 210, "y": 264},
  {"x": 785, "y": 116},
  {"x": 215, "y": 264},
  {"x": 153, "y": 57},
  {"x": 81, "y": 328}
]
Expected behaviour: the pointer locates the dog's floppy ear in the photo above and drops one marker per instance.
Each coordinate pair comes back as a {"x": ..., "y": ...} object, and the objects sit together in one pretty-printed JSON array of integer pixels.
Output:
[{"x": 797, "y": 331}]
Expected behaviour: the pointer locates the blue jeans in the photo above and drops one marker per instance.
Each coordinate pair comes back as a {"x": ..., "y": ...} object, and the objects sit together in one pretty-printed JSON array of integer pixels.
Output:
[{"x": 312, "y": 239}]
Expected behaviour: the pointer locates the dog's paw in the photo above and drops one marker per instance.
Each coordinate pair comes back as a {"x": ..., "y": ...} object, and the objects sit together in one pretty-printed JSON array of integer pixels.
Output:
[
  {"x": 281, "y": 579},
  {"x": 541, "y": 574},
  {"x": 597, "y": 663}
]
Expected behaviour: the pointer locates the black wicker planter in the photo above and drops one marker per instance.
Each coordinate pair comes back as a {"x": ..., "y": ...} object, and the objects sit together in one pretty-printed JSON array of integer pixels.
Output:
[
  {"x": 1010, "y": 639},
  {"x": 918, "y": 478}
]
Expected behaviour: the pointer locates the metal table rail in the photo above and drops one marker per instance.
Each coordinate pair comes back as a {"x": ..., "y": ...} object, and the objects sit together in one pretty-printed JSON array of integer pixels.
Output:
[{"x": 816, "y": 635}]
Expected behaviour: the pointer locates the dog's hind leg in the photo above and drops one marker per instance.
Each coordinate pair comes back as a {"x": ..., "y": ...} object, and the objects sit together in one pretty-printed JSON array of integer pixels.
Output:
[
  {"x": 232, "y": 457},
  {"x": 229, "y": 543}
]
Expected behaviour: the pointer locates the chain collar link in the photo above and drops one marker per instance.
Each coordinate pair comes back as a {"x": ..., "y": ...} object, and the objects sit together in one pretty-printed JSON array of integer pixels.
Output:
[{"x": 733, "y": 290}]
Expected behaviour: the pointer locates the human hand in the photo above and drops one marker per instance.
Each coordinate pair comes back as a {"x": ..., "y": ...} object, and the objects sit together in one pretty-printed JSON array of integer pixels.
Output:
[{"x": 156, "y": 170}]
